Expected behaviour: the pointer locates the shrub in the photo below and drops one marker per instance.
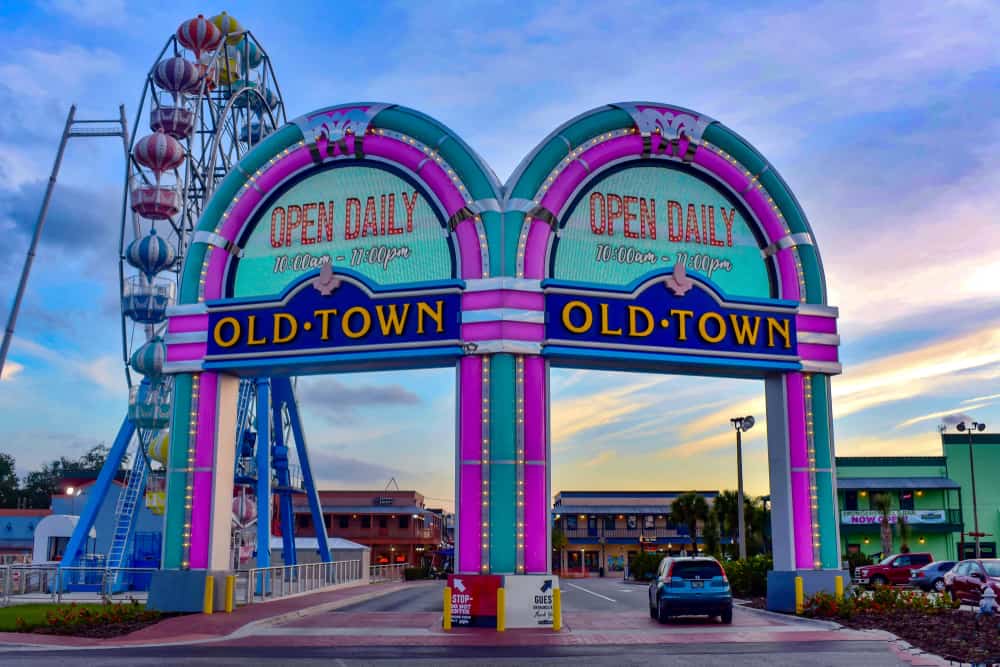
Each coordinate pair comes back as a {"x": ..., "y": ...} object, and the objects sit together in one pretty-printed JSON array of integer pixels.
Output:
[
  {"x": 884, "y": 600},
  {"x": 856, "y": 560},
  {"x": 644, "y": 565},
  {"x": 413, "y": 573},
  {"x": 748, "y": 578}
]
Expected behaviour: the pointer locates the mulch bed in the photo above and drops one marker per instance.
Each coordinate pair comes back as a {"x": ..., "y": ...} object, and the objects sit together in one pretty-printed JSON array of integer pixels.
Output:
[
  {"x": 953, "y": 635},
  {"x": 103, "y": 631}
]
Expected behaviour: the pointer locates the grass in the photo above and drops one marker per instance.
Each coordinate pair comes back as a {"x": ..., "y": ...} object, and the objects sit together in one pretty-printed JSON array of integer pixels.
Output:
[{"x": 33, "y": 614}]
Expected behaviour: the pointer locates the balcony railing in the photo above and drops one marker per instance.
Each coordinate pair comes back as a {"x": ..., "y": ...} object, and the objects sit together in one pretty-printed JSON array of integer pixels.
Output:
[{"x": 634, "y": 533}]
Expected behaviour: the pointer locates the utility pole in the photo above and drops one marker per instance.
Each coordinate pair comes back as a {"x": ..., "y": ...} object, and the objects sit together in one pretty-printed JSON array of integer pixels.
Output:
[{"x": 73, "y": 128}]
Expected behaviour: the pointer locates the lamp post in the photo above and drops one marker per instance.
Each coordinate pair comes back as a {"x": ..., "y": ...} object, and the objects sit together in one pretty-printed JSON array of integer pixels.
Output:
[
  {"x": 741, "y": 424},
  {"x": 973, "y": 426}
]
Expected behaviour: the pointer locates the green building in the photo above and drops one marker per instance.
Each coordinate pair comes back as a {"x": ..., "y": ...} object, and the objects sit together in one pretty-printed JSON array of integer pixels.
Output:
[
  {"x": 986, "y": 461},
  {"x": 932, "y": 493}
]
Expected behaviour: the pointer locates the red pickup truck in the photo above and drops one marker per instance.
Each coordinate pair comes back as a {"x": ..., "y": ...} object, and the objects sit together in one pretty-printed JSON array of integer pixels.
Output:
[{"x": 892, "y": 570}]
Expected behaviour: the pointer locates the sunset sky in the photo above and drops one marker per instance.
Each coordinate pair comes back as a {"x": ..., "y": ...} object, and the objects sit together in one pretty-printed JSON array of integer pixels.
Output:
[{"x": 883, "y": 120}]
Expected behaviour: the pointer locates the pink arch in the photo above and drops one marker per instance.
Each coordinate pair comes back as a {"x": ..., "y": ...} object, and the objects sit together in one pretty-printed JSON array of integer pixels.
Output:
[
  {"x": 562, "y": 188},
  {"x": 217, "y": 259}
]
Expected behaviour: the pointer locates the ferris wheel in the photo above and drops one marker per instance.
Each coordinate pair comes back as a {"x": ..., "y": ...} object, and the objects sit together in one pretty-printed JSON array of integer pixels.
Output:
[{"x": 209, "y": 98}]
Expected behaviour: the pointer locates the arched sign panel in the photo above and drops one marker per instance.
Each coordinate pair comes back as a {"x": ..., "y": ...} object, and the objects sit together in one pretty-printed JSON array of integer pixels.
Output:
[
  {"x": 369, "y": 218},
  {"x": 644, "y": 217}
]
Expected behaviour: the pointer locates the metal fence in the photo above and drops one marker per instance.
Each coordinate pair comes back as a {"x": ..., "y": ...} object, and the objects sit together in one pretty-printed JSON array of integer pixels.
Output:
[
  {"x": 261, "y": 584},
  {"x": 379, "y": 573},
  {"x": 51, "y": 583}
]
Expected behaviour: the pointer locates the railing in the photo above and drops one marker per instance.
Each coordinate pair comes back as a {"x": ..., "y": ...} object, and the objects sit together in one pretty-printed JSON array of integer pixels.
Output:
[
  {"x": 51, "y": 583},
  {"x": 262, "y": 584},
  {"x": 624, "y": 532},
  {"x": 379, "y": 573}
]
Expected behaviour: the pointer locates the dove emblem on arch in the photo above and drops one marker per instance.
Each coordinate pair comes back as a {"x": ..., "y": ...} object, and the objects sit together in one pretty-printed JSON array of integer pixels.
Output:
[
  {"x": 325, "y": 283},
  {"x": 679, "y": 283}
]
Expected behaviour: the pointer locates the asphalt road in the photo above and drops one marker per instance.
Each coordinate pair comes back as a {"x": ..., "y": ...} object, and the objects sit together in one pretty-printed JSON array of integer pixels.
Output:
[{"x": 756, "y": 654}]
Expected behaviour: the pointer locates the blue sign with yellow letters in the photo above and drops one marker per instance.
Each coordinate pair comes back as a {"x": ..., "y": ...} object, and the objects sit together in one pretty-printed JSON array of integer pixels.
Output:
[
  {"x": 327, "y": 313},
  {"x": 672, "y": 314}
]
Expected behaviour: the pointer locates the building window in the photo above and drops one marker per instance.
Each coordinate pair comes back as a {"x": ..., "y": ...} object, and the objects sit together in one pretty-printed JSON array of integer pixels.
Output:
[
  {"x": 344, "y": 521},
  {"x": 303, "y": 520},
  {"x": 383, "y": 522},
  {"x": 649, "y": 522},
  {"x": 632, "y": 522},
  {"x": 609, "y": 523},
  {"x": 851, "y": 500},
  {"x": 906, "y": 500},
  {"x": 366, "y": 522},
  {"x": 571, "y": 523},
  {"x": 404, "y": 522},
  {"x": 871, "y": 499}
]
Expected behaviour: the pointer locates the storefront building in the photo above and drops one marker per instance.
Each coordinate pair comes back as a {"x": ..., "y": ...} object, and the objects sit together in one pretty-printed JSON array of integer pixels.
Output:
[
  {"x": 608, "y": 528},
  {"x": 984, "y": 462},
  {"x": 919, "y": 490},
  {"x": 395, "y": 525},
  {"x": 934, "y": 494}
]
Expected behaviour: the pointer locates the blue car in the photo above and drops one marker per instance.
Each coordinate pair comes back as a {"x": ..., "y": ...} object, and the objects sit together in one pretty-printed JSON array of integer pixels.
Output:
[{"x": 690, "y": 587}]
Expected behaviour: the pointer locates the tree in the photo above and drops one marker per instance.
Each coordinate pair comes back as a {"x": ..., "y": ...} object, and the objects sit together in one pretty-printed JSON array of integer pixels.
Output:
[
  {"x": 559, "y": 543},
  {"x": 724, "y": 508},
  {"x": 905, "y": 533},
  {"x": 687, "y": 510},
  {"x": 40, "y": 485},
  {"x": 711, "y": 532},
  {"x": 882, "y": 503},
  {"x": 8, "y": 481}
]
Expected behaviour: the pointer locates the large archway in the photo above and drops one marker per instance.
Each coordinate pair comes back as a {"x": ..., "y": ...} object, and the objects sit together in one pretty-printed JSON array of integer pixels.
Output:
[{"x": 635, "y": 237}]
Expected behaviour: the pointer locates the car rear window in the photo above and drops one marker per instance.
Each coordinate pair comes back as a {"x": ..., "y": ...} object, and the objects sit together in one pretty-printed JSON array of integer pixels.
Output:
[
  {"x": 992, "y": 567},
  {"x": 699, "y": 569}
]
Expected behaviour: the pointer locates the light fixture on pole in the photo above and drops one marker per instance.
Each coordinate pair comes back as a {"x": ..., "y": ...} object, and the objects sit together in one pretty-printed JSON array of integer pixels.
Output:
[
  {"x": 973, "y": 426},
  {"x": 741, "y": 424}
]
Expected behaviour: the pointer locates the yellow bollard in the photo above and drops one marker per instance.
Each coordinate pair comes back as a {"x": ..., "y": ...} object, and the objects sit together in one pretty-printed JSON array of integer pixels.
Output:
[
  {"x": 838, "y": 588},
  {"x": 556, "y": 610},
  {"x": 230, "y": 592},
  {"x": 501, "y": 600},
  {"x": 208, "y": 603},
  {"x": 447, "y": 608},
  {"x": 799, "y": 595}
]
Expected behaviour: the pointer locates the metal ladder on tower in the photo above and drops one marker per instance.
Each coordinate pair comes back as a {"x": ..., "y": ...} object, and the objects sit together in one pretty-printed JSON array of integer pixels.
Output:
[
  {"x": 244, "y": 466},
  {"x": 125, "y": 509}
]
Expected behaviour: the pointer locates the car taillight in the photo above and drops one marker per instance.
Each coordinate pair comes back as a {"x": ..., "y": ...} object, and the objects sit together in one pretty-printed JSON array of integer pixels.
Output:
[{"x": 670, "y": 571}]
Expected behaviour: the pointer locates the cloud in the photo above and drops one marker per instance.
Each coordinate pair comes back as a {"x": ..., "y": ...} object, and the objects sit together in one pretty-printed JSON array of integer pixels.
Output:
[
  {"x": 572, "y": 416},
  {"x": 79, "y": 220},
  {"x": 330, "y": 467},
  {"x": 97, "y": 13},
  {"x": 104, "y": 371},
  {"x": 946, "y": 416},
  {"x": 11, "y": 369},
  {"x": 601, "y": 459},
  {"x": 340, "y": 400}
]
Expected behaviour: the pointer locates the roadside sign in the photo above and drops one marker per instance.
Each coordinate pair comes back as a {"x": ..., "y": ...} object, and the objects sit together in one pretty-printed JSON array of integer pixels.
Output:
[
  {"x": 529, "y": 600},
  {"x": 474, "y": 599}
]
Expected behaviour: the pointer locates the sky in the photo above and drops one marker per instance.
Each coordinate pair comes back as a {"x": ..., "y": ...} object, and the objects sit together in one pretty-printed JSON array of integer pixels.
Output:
[{"x": 880, "y": 116}]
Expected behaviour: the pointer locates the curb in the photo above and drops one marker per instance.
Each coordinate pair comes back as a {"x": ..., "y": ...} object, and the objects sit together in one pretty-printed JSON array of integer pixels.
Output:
[{"x": 241, "y": 631}]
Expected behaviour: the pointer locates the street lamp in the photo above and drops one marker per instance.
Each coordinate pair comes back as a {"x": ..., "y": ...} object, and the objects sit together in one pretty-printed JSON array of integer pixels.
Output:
[
  {"x": 973, "y": 426},
  {"x": 741, "y": 424}
]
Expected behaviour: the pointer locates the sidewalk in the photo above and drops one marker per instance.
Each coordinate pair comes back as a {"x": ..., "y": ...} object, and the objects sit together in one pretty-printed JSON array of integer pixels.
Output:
[{"x": 193, "y": 628}]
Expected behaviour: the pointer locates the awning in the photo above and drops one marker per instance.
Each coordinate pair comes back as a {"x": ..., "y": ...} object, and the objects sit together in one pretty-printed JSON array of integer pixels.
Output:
[{"x": 894, "y": 483}]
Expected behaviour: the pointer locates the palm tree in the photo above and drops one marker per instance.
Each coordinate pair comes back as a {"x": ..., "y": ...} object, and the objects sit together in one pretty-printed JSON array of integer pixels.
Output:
[
  {"x": 905, "y": 533},
  {"x": 711, "y": 533},
  {"x": 882, "y": 503},
  {"x": 559, "y": 543},
  {"x": 688, "y": 509},
  {"x": 725, "y": 510}
]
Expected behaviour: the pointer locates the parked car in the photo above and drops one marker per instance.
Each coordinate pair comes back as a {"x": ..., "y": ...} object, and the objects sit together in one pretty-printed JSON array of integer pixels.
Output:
[
  {"x": 967, "y": 581},
  {"x": 892, "y": 570},
  {"x": 931, "y": 577},
  {"x": 690, "y": 586}
]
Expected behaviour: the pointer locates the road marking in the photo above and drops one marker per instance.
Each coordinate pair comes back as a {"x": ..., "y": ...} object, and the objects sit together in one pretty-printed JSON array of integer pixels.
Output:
[
  {"x": 627, "y": 590},
  {"x": 585, "y": 590}
]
